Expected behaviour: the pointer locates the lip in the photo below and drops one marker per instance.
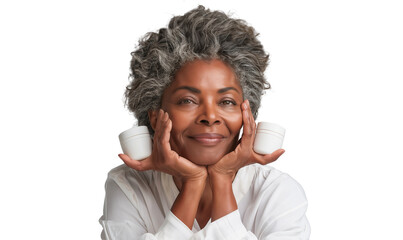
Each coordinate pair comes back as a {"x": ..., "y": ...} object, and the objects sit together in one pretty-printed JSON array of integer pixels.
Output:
[{"x": 208, "y": 139}]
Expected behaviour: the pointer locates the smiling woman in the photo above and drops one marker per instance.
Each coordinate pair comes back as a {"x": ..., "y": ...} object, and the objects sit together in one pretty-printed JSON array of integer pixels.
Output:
[{"x": 195, "y": 84}]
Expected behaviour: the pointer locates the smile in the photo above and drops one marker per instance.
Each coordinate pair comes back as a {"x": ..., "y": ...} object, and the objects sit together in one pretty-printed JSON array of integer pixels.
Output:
[{"x": 208, "y": 139}]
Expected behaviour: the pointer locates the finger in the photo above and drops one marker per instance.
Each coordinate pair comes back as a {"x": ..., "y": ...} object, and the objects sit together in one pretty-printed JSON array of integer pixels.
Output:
[
  {"x": 157, "y": 132},
  {"x": 142, "y": 165},
  {"x": 160, "y": 119},
  {"x": 269, "y": 158},
  {"x": 166, "y": 135},
  {"x": 252, "y": 119},
  {"x": 247, "y": 127}
]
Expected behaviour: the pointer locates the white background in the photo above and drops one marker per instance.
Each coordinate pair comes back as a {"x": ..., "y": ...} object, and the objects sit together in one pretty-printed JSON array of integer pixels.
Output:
[{"x": 336, "y": 73}]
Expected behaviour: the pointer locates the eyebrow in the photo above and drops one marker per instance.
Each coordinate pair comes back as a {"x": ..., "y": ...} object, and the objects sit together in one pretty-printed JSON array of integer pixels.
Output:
[
  {"x": 192, "y": 89},
  {"x": 195, "y": 90},
  {"x": 223, "y": 90}
]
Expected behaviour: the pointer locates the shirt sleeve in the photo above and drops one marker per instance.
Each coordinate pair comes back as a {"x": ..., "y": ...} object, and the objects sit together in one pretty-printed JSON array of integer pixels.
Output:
[
  {"x": 281, "y": 213},
  {"x": 122, "y": 221}
]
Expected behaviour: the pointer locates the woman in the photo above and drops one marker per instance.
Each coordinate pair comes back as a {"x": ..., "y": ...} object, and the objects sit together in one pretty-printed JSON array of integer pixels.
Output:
[{"x": 195, "y": 84}]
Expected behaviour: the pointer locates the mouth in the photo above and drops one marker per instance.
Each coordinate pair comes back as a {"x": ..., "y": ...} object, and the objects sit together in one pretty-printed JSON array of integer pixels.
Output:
[{"x": 208, "y": 139}]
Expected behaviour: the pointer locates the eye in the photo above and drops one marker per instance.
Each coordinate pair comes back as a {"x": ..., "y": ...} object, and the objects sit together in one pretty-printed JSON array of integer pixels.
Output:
[
  {"x": 185, "y": 101},
  {"x": 228, "y": 102}
]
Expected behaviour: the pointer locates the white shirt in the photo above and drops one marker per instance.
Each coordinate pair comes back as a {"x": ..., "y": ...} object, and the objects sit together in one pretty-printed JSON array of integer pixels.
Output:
[{"x": 271, "y": 205}]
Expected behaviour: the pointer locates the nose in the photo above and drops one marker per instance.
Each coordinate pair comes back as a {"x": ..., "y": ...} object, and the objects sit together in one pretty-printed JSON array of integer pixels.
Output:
[{"x": 209, "y": 115}]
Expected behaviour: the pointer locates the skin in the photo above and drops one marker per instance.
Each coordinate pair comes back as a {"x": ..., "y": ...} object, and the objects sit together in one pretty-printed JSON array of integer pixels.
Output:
[{"x": 196, "y": 140}]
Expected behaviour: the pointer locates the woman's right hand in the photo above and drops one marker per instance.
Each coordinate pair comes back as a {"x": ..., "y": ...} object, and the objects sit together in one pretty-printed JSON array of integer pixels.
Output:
[
  {"x": 163, "y": 158},
  {"x": 192, "y": 177}
]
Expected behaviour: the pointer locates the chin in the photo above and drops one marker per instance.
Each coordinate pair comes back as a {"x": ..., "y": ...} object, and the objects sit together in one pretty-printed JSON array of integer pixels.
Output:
[
  {"x": 205, "y": 161},
  {"x": 205, "y": 158}
]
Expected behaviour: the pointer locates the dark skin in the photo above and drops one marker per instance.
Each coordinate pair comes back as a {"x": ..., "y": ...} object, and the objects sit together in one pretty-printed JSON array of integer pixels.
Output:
[{"x": 196, "y": 140}]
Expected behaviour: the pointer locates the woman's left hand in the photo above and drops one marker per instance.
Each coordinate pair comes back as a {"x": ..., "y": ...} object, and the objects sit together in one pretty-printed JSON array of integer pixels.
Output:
[{"x": 243, "y": 154}]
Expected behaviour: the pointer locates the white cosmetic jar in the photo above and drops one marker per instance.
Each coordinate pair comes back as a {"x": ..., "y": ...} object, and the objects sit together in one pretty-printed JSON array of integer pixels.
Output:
[
  {"x": 269, "y": 138},
  {"x": 136, "y": 142}
]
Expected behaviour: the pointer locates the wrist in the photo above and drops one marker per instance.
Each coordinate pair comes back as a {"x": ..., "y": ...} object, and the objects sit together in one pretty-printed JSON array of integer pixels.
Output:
[
  {"x": 192, "y": 179},
  {"x": 220, "y": 182},
  {"x": 220, "y": 177},
  {"x": 193, "y": 185}
]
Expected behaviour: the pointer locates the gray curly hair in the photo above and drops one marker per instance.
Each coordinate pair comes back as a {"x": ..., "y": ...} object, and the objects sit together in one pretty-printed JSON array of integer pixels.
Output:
[{"x": 198, "y": 34}]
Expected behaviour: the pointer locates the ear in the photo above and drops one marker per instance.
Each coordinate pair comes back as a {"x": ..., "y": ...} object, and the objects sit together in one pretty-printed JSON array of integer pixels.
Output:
[{"x": 152, "y": 116}]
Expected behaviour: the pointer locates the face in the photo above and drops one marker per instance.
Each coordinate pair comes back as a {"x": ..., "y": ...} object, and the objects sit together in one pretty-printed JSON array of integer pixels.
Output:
[{"x": 204, "y": 104}]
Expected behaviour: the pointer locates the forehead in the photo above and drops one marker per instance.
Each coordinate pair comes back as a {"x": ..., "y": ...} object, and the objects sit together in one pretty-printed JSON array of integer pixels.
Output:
[{"x": 206, "y": 75}]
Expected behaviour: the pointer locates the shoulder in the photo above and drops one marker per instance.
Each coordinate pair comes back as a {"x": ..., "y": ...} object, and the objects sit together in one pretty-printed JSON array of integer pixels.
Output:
[
  {"x": 123, "y": 173},
  {"x": 269, "y": 180},
  {"x": 129, "y": 181}
]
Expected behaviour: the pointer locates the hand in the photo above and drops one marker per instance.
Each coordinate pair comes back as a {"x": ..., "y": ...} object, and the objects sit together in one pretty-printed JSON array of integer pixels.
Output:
[
  {"x": 163, "y": 158},
  {"x": 191, "y": 176},
  {"x": 243, "y": 154}
]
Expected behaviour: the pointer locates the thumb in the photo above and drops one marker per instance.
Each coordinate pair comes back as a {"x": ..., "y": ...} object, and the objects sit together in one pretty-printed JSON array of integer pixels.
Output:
[{"x": 141, "y": 165}]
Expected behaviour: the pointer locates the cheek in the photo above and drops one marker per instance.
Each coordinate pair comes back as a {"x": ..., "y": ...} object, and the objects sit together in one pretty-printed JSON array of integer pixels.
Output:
[
  {"x": 180, "y": 121},
  {"x": 234, "y": 122}
]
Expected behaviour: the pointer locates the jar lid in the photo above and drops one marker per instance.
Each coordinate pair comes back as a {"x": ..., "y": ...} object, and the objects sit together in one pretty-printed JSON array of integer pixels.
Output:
[
  {"x": 137, "y": 130},
  {"x": 271, "y": 126}
]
